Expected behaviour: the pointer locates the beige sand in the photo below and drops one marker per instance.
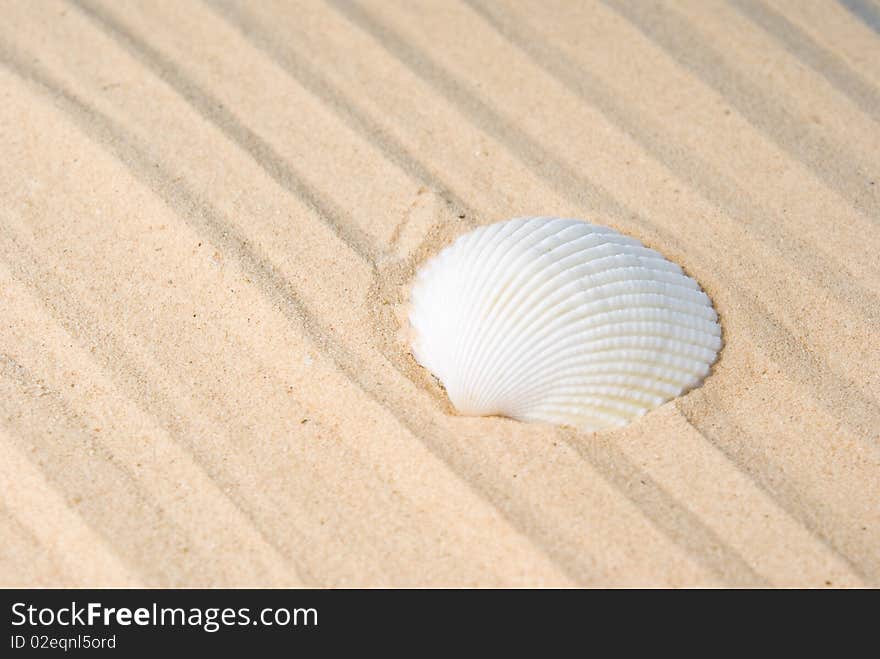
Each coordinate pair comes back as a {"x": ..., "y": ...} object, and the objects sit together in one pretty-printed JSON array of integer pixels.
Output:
[{"x": 210, "y": 214}]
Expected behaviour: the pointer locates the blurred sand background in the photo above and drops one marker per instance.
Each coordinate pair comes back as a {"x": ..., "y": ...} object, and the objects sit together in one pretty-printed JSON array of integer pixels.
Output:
[{"x": 210, "y": 214}]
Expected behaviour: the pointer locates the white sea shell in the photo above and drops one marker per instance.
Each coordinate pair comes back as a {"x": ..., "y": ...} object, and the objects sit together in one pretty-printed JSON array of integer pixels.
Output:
[{"x": 560, "y": 321}]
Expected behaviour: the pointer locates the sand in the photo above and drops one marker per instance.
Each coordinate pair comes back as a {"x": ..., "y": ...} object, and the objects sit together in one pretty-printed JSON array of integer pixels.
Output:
[{"x": 211, "y": 213}]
